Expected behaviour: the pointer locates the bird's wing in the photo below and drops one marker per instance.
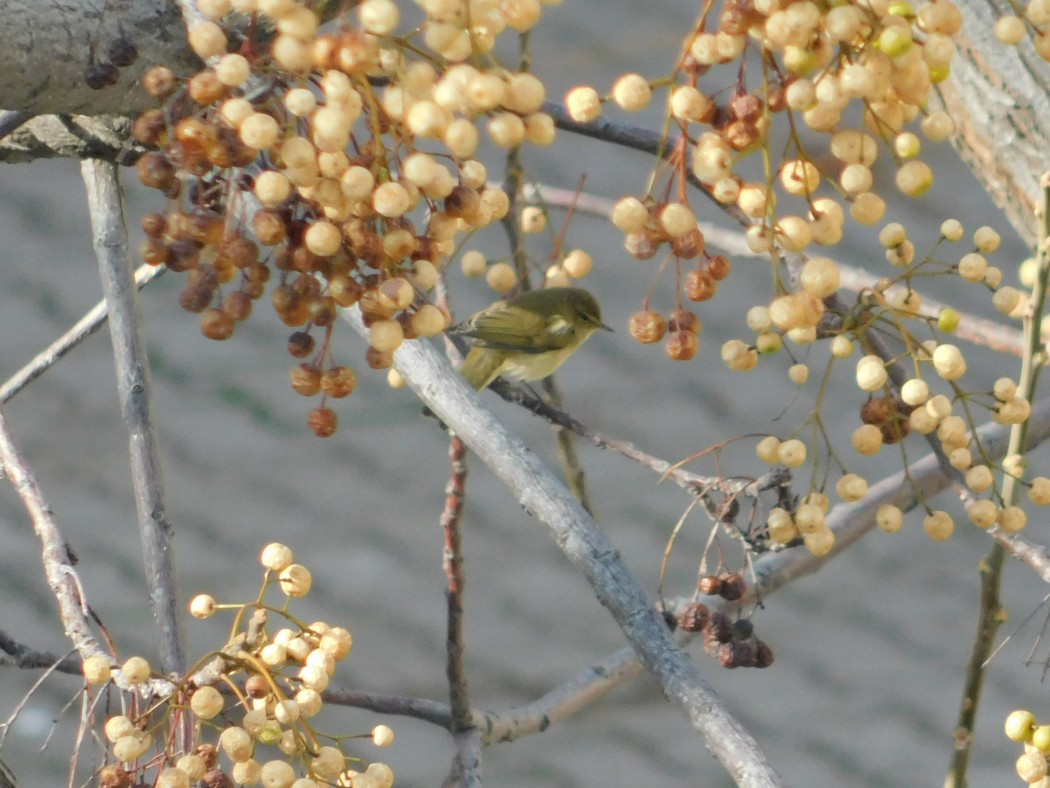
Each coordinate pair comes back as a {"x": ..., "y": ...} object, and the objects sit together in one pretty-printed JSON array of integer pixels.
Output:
[{"x": 507, "y": 327}]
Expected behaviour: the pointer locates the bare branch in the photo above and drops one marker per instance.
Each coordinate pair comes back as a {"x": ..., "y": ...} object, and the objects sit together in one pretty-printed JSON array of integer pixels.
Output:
[{"x": 108, "y": 226}]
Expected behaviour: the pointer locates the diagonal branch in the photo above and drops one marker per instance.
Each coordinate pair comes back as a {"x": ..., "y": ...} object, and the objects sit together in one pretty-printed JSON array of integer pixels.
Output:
[{"x": 109, "y": 230}]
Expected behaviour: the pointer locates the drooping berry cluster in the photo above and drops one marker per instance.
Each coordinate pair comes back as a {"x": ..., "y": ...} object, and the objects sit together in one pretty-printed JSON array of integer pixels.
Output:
[
  {"x": 1032, "y": 767},
  {"x": 263, "y": 732},
  {"x": 732, "y": 642},
  {"x": 341, "y": 164}
]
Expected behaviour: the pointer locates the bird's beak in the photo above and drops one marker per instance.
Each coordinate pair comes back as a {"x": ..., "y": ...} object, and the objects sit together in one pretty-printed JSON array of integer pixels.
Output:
[{"x": 605, "y": 328}]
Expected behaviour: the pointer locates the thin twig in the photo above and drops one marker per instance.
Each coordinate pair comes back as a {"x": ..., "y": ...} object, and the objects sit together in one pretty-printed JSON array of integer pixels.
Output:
[
  {"x": 458, "y": 688},
  {"x": 22, "y": 656},
  {"x": 91, "y": 322},
  {"x": 109, "y": 230}
]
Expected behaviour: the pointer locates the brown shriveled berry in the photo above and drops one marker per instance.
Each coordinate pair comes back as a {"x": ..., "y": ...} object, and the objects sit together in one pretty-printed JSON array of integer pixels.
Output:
[
  {"x": 256, "y": 686},
  {"x": 217, "y": 778},
  {"x": 374, "y": 307},
  {"x": 183, "y": 255},
  {"x": 720, "y": 628},
  {"x": 155, "y": 171},
  {"x": 377, "y": 359},
  {"x": 113, "y": 776},
  {"x": 101, "y": 75},
  {"x": 282, "y": 258},
  {"x": 763, "y": 655},
  {"x": 154, "y": 225},
  {"x": 257, "y": 273},
  {"x": 743, "y": 629},
  {"x": 239, "y": 250},
  {"x": 209, "y": 753},
  {"x": 732, "y": 586},
  {"x": 285, "y": 300},
  {"x": 150, "y": 127},
  {"x": 727, "y": 655},
  {"x": 690, "y": 245},
  {"x": 323, "y": 422},
  {"x": 324, "y": 51},
  {"x": 304, "y": 260},
  {"x": 159, "y": 81},
  {"x": 122, "y": 52},
  {"x": 681, "y": 345},
  {"x": 306, "y": 379},
  {"x": 895, "y": 431},
  {"x": 683, "y": 320},
  {"x": 741, "y": 135},
  {"x": 154, "y": 252},
  {"x": 647, "y": 326},
  {"x": 641, "y": 246},
  {"x": 206, "y": 89},
  {"x": 718, "y": 267},
  {"x": 338, "y": 382},
  {"x": 744, "y": 653},
  {"x": 196, "y": 298},
  {"x": 301, "y": 344},
  {"x": 269, "y": 227},
  {"x": 699, "y": 285},
  {"x": 216, "y": 324},
  {"x": 237, "y": 305},
  {"x": 709, "y": 584},
  {"x": 746, "y": 106},
  {"x": 322, "y": 311},
  {"x": 462, "y": 202},
  {"x": 877, "y": 410},
  {"x": 694, "y": 617},
  {"x": 344, "y": 290}
]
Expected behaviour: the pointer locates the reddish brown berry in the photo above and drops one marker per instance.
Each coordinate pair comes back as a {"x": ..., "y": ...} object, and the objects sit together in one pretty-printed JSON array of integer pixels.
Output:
[
  {"x": 344, "y": 290},
  {"x": 205, "y": 88},
  {"x": 195, "y": 298},
  {"x": 237, "y": 305},
  {"x": 150, "y": 127},
  {"x": 154, "y": 225},
  {"x": 690, "y": 245},
  {"x": 209, "y": 753},
  {"x": 256, "y": 686},
  {"x": 323, "y": 422},
  {"x": 710, "y": 585},
  {"x": 647, "y": 326},
  {"x": 285, "y": 300},
  {"x": 216, "y": 778},
  {"x": 681, "y": 345},
  {"x": 322, "y": 311},
  {"x": 269, "y": 227},
  {"x": 101, "y": 75},
  {"x": 153, "y": 252},
  {"x": 699, "y": 285},
  {"x": 306, "y": 379},
  {"x": 727, "y": 655},
  {"x": 719, "y": 267},
  {"x": 640, "y": 246},
  {"x": 155, "y": 171},
  {"x": 462, "y": 202},
  {"x": 694, "y": 617},
  {"x": 216, "y": 324},
  {"x": 877, "y": 410},
  {"x": 122, "y": 52},
  {"x": 683, "y": 320},
  {"x": 113, "y": 776},
  {"x": 183, "y": 255},
  {"x": 338, "y": 382},
  {"x": 763, "y": 655},
  {"x": 159, "y": 81},
  {"x": 300, "y": 344},
  {"x": 377, "y": 359},
  {"x": 732, "y": 586}
]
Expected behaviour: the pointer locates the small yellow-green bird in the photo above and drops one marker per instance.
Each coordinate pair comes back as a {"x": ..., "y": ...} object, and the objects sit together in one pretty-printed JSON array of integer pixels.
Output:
[{"x": 529, "y": 336}]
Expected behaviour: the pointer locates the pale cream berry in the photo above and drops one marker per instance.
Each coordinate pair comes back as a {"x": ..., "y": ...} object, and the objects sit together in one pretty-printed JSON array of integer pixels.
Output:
[
  {"x": 274, "y": 654},
  {"x": 914, "y": 178},
  {"x": 1019, "y": 725},
  {"x": 295, "y": 579},
  {"x": 246, "y": 772},
  {"x": 379, "y": 17},
  {"x": 993, "y": 277},
  {"x": 809, "y": 518},
  {"x": 473, "y": 264},
  {"x": 915, "y": 391},
  {"x": 1031, "y": 767},
  {"x": 938, "y": 525},
  {"x": 819, "y": 542},
  {"x": 799, "y": 177},
  {"x": 983, "y": 513},
  {"x": 357, "y": 183},
  {"x": 501, "y": 277},
  {"x": 630, "y": 215},
  {"x": 232, "y": 69},
  {"x": 1015, "y": 410},
  {"x": 276, "y": 556},
  {"x": 533, "y": 219},
  {"x": 759, "y": 239},
  {"x": 428, "y": 321},
  {"x": 236, "y": 742},
  {"x": 738, "y": 356},
  {"x": 286, "y": 712},
  {"x": 755, "y": 199},
  {"x": 203, "y": 606},
  {"x": 922, "y": 421},
  {"x": 235, "y": 110},
  {"x": 577, "y": 263},
  {"x": 213, "y": 9},
  {"x": 677, "y": 219},
  {"x": 769, "y": 343},
  {"x": 194, "y": 766},
  {"x": 889, "y": 518},
  {"x": 867, "y": 209},
  {"x": 792, "y": 453},
  {"x": 272, "y": 188},
  {"x": 259, "y": 131},
  {"x": 938, "y": 126},
  {"x": 1006, "y": 299},
  {"x": 852, "y": 487},
  {"x": 758, "y": 319},
  {"x": 939, "y": 406},
  {"x": 972, "y": 267},
  {"x": 309, "y": 702},
  {"x": 118, "y": 727},
  {"x": 277, "y": 774},
  {"x": 856, "y": 179},
  {"x": 382, "y": 736},
  {"x": 841, "y": 346},
  {"x": 1010, "y": 29},
  {"x": 97, "y": 669},
  {"x": 507, "y": 130},
  {"x": 949, "y": 362},
  {"x": 820, "y": 277},
  {"x": 798, "y": 374},
  {"x": 583, "y": 104},
  {"x": 631, "y": 92},
  {"x": 1012, "y": 519},
  {"x": 986, "y": 239},
  {"x": 1014, "y": 465},
  {"x": 979, "y": 478},
  {"x": 960, "y": 459},
  {"x": 391, "y": 199},
  {"x": 540, "y": 129},
  {"x": 323, "y": 239},
  {"x": 768, "y": 449},
  {"x": 254, "y": 721},
  {"x": 1039, "y": 492},
  {"x": 328, "y": 763},
  {"x": 793, "y": 233},
  {"x": 133, "y": 746},
  {"x": 207, "y": 40},
  {"x": 136, "y": 670},
  {"x": 952, "y": 432},
  {"x": 314, "y": 677},
  {"x": 893, "y": 234},
  {"x": 206, "y": 702},
  {"x": 781, "y": 527},
  {"x": 952, "y": 230},
  {"x": 524, "y": 93},
  {"x": 867, "y": 439},
  {"x": 300, "y": 102},
  {"x": 871, "y": 373},
  {"x": 907, "y": 145},
  {"x": 689, "y": 104}
]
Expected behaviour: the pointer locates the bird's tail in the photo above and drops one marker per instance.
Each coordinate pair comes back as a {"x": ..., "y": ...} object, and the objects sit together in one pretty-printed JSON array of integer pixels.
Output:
[{"x": 481, "y": 366}]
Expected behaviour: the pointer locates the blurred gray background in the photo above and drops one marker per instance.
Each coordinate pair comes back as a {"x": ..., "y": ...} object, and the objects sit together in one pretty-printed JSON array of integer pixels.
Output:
[{"x": 869, "y": 651}]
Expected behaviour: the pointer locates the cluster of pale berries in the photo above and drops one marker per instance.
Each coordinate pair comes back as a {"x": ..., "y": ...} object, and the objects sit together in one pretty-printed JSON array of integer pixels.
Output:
[
  {"x": 358, "y": 144},
  {"x": 278, "y": 683},
  {"x": 1034, "y": 23},
  {"x": 1032, "y": 767},
  {"x": 821, "y": 59}
]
